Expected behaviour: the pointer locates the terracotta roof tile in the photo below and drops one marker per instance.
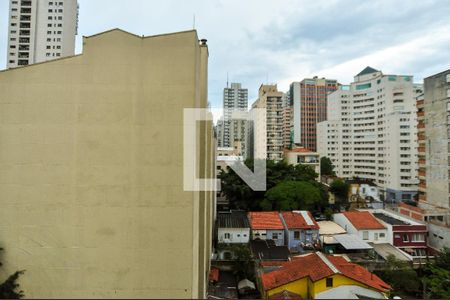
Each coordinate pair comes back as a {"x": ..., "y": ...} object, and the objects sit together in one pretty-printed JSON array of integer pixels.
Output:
[
  {"x": 358, "y": 273},
  {"x": 363, "y": 220},
  {"x": 316, "y": 268},
  {"x": 295, "y": 220},
  {"x": 265, "y": 220}
]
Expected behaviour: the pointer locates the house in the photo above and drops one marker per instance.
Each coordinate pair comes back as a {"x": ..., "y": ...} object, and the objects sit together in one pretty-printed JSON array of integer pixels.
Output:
[
  {"x": 303, "y": 156},
  {"x": 232, "y": 227},
  {"x": 310, "y": 275},
  {"x": 408, "y": 235},
  {"x": 267, "y": 225},
  {"x": 362, "y": 224},
  {"x": 300, "y": 229}
]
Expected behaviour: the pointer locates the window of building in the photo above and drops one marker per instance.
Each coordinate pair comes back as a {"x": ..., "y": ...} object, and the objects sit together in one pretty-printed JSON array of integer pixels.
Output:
[
  {"x": 382, "y": 235},
  {"x": 418, "y": 237},
  {"x": 329, "y": 282},
  {"x": 405, "y": 238},
  {"x": 275, "y": 236},
  {"x": 227, "y": 236},
  {"x": 296, "y": 235},
  {"x": 365, "y": 235},
  {"x": 448, "y": 106}
]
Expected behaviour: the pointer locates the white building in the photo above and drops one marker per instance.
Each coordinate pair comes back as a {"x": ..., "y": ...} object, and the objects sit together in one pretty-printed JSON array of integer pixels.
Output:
[
  {"x": 235, "y": 98},
  {"x": 364, "y": 225},
  {"x": 233, "y": 227},
  {"x": 41, "y": 30},
  {"x": 371, "y": 132},
  {"x": 265, "y": 132},
  {"x": 303, "y": 156}
]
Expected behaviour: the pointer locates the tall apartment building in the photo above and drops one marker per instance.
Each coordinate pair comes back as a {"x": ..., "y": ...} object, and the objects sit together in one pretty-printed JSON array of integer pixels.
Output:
[
  {"x": 265, "y": 135},
  {"x": 235, "y": 98},
  {"x": 309, "y": 100},
  {"x": 91, "y": 191},
  {"x": 371, "y": 132},
  {"x": 287, "y": 122},
  {"x": 41, "y": 30}
]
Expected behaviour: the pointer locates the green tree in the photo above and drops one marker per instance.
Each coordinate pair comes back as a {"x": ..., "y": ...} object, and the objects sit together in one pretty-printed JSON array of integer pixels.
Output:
[
  {"x": 437, "y": 282},
  {"x": 292, "y": 195},
  {"x": 401, "y": 276},
  {"x": 340, "y": 189},
  {"x": 326, "y": 166},
  {"x": 243, "y": 259},
  {"x": 8, "y": 289},
  {"x": 443, "y": 259},
  {"x": 241, "y": 196}
]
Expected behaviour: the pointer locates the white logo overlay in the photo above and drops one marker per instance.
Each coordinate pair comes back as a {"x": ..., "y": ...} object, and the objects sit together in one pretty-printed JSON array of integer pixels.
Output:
[{"x": 256, "y": 180}]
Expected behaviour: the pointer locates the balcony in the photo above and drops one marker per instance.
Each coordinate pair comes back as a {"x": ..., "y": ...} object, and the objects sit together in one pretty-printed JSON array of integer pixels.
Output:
[
  {"x": 23, "y": 62},
  {"x": 25, "y": 3},
  {"x": 24, "y": 40},
  {"x": 25, "y": 10},
  {"x": 422, "y": 161},
  {"x": 24, "y": 33},
  {"x": 24, "y": 48},
  {"x": 25, "y": 26},
  {"x": 422, "y": 173},
  {"x": 25, "y": 18}
]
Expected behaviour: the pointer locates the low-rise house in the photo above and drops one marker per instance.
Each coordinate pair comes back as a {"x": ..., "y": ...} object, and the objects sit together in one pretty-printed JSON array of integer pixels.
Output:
[
  {"x": 301, "y": 230},
  {"x": 267, "y": 225},
  {"x": 303, "y": 156},
  {"x": 408, "y": 235},
  {"x": 233, "y": 227},
  {"x": 362, "y": 224},
  {"x": 309, "y": 275}
]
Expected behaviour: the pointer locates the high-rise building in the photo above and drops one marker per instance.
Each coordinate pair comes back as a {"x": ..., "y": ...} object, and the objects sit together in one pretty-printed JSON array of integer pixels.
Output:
[
  {"x": 371, "y": 132},
  {"x": 287, "y": 122},
  {"x": 265, "y": 133},
  {"x": 92, "y": 194},
  {"x": 41, "y": 30},
  {"x": 433, "y": 115},
  {"x": 235, "y": 98},
  {"x": 309, "y": 101}
]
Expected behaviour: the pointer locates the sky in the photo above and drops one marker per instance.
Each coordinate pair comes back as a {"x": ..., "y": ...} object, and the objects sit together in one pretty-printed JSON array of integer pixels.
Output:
[{"x": 281, "y": 41}]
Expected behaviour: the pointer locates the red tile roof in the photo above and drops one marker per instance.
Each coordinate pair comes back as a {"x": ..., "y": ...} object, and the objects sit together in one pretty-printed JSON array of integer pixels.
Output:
[
  {"x": 300, "y": 150},
  {"x": 310, "y": 265},
  {"x": 265, "y": 220},
  {"x": 295, "y": 220},
  {"x": 285, "y": 295},
  {"x": 316, "y": 268},
  {"x": 363, "y": 220},
  {"x": 358, "y": 273}
]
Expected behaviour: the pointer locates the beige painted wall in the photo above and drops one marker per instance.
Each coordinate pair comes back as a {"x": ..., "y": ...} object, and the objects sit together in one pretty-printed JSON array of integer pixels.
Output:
[{"x": 91, "y": 165}]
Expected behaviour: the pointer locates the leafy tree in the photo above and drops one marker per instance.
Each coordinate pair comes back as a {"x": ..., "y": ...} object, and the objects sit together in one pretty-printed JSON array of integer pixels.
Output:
[
  {"x": 292, "y": 195},
  {"x": 401, "y": 276},
  {"x": 243, "y": 258},
  {"x": 8, "y": 289},
  {"x": 340, "y": 189},
  {"x": 326, "y": 166},
  {"x": 328, "y": 213},
  {"x": 443, "y": 259},
  {"x": 437, "y": 282},
  {"x": 241, "y": 196}
]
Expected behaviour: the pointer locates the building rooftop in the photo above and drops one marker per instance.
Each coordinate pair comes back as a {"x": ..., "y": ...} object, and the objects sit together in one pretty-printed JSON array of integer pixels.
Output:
[
  {"x": 330, "y": 228},
  {"x": 267, "y": 250},
  {"x": 367, "y": 70},
  {"x": 232, "y": 219},
  {"x": 318, "y": 266},
  {"x": 299, "y": 220},
  {"x": 265, "y": 220},
  {"x": 390, "y": 220},
  {"x": 285, "y": 295},
  {"x": 363, "y": 220}
]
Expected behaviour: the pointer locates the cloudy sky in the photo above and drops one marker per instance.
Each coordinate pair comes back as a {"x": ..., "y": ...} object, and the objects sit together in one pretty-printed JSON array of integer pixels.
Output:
[{"x": 281, "y": 41}]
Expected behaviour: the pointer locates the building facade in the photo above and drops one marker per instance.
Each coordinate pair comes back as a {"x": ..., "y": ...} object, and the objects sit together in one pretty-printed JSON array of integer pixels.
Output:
[
  {"x": 41, "y": 30},
  {"x": 92, "y": 198},
  {"x": 235, "y": 98},
  {"x": 265, "y": 131},
  {"x": 371, "y": 132},
  {"x": 302, "y": 156},
  {"x": 363, "y": 224},
  {"x": 309, "y": 107}
]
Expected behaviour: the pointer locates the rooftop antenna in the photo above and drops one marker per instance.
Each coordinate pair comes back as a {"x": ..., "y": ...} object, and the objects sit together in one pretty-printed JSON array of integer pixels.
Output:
[
  {"x": 193, "y": 23},
  {"x": 227, "y": 80}
]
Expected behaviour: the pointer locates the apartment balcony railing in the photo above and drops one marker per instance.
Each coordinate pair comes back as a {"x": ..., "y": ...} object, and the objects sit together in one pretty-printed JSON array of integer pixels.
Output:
[
  {"x": 25, "y": 3},
  {"x": 22, "y": 62},
  {"x": 25, "y": 10},
  {"x": 25, "y": 18},
  {"x": 24, "y": 33},
  {"x": 24, "y": 40},
  {"x": 421, "y": 114}
]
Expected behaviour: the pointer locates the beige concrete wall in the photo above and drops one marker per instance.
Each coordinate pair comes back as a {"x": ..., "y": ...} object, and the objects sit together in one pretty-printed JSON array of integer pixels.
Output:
[{"x": 91, "y": 165}]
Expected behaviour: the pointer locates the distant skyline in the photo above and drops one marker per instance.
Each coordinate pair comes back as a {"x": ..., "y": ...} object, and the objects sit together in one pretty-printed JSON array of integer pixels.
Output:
[{"x": 256, "y": 41}]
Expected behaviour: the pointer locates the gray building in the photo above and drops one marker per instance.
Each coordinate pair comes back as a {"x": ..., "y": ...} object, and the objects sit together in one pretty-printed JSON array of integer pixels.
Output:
[{"x": 235, "y": 98}]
